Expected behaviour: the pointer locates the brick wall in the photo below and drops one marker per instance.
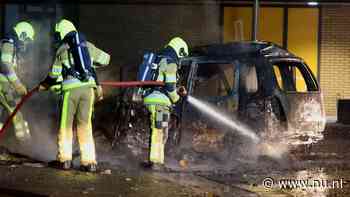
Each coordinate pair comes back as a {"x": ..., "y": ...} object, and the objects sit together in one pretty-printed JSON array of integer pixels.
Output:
[
  {"x": 126, "y": 31},
  {"x": 335, "y": 56}
]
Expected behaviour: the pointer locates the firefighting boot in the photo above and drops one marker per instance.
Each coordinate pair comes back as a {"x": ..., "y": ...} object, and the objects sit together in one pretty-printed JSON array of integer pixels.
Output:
[
  {"x": 89, "y": 168},
  {"x": 66, "y": 165},
  {"x": 148, "y": 165}
]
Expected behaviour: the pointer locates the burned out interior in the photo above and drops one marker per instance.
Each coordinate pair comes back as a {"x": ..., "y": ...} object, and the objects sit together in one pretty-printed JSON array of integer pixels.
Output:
[{"x": 217, "y": 83}]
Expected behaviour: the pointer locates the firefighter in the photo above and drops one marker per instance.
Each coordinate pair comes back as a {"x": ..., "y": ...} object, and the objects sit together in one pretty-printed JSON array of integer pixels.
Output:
[
  {"x": 159, "y": 100},
  {"x": 79, "y": 87},
  {"x": 13, "y": 47}
]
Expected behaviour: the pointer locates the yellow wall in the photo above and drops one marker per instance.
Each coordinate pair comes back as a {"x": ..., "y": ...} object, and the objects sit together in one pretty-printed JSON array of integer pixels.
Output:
[
  {"x": 303, "y": 36},
  {"x": 232, "y": 15},
  {"x": 302, "y": 32},
  {"x": 271, "y": 25}
]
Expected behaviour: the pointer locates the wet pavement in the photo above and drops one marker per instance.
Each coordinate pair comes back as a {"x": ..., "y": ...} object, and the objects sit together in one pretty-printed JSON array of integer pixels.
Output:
[
  {"x": 320, "y": 169},
  {"x": 21, "y": 181},
  {"x": 33, "y": 179}
]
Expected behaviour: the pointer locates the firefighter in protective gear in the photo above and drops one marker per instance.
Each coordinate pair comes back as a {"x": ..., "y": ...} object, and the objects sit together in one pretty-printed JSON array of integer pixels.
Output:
[
  {"x": 78, "y": 101},
  {"x": 159, "y": 100},
  {"x": 11, "y": 88}
]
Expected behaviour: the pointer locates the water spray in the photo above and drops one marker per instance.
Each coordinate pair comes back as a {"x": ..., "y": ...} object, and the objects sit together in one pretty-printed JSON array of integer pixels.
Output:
[{"x": 220, "y": 117}]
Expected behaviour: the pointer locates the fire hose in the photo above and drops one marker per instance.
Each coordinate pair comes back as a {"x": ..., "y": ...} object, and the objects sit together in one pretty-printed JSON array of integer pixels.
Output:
[
  {"x": 115, "y": 84},
  {"x": 18, "y": 106},
  {"x": 127, "y": 84}
]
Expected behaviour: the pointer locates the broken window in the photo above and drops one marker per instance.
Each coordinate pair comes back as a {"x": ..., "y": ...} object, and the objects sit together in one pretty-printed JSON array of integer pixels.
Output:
[
  {"x": 294, "y": 77},
  {"x": 250, "y": 79},
  {"x": 217, "y": 83},
  {"x": 278, "y": 76}
]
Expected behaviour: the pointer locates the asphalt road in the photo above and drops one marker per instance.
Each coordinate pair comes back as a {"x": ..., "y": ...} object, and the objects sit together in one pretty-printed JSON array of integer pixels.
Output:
[{"x": 321, "y": 169}]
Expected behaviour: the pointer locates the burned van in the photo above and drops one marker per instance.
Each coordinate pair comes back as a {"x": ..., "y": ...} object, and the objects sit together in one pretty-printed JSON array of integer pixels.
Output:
[{"x": 258, "y": 84}]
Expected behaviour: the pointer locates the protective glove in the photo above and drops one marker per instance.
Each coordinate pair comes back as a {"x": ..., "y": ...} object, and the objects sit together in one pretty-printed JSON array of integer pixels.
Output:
[
  {"x": 182, "y": 91},
  {"x": 55, "y": 89},
  {"x": 42, "y": 88},
  {"x": 20, "y": 89},
  {"x": 99, "y": 93}
]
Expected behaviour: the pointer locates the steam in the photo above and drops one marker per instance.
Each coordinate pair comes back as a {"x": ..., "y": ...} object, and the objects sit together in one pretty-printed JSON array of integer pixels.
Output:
[
  {"x": 274, "y": 150},
  {"x": 41, "y": 111}
]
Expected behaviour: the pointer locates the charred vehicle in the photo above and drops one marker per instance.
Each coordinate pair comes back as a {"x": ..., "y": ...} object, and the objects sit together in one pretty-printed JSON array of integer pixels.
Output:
[
  {"x": 262, "y": 85},
  {"x": 257, "y": 84}
]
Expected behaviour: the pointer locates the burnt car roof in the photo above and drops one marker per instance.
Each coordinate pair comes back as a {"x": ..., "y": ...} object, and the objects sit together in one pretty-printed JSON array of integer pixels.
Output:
[{"x": 242, "y": 50}]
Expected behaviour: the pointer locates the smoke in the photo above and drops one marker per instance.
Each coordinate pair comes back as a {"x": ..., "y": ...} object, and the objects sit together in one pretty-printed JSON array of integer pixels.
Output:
[
  {"x": 41, "y": 111},
  {"x": 43, "y": 123},
  {"x": 41, "y": 115}
]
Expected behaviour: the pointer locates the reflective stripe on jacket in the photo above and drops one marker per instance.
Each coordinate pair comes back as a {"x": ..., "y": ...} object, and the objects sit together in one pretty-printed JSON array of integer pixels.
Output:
[
  {"x": 167, "y": 95},
  {"x": 62, "y": 59},
  {"x": 8, "y": 63}
]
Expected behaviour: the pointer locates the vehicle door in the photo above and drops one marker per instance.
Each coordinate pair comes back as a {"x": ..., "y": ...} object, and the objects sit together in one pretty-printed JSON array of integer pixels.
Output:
[{"x": 298, "y": 86}]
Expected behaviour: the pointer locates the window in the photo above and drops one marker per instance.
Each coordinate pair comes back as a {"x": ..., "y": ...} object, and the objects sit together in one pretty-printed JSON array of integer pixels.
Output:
[
  {"x": 294, "y": 76},
  {"x": 216, "y": 83},
  {"x": 300, "y": 83},
  {"x": 214, "y": 80},
  {"x": 250, "y": 78},
  {"x": 278, "y": 76}
]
